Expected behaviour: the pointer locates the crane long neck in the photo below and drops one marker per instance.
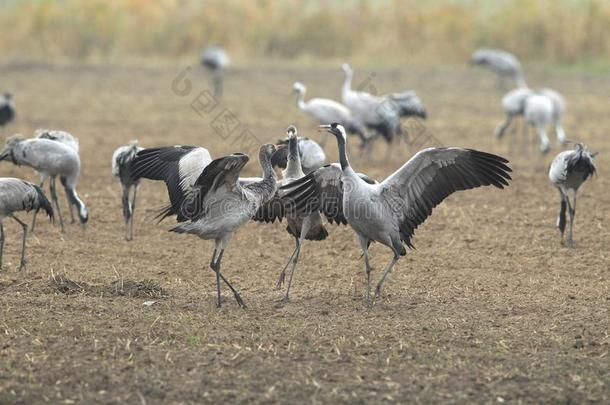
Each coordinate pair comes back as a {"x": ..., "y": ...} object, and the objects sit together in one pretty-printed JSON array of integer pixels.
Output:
[
  {"x": 347, "y": 83},
  {"x": 293, "y": 165},
  {"x": 301, "y": 99},
  {"x": 343, "y": 153}
]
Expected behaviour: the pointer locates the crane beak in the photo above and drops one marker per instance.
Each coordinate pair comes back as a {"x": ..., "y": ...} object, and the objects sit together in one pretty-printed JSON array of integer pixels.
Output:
[{"x": 324, "y": 128}]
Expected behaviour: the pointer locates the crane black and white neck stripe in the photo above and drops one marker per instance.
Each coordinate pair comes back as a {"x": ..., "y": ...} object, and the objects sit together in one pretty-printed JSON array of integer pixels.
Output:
[{"x": 122, "y": 160}]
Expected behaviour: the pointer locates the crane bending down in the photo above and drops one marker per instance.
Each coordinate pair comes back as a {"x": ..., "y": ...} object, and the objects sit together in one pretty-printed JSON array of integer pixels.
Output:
[
  {"x": 325, "y": 110},
  {"x": 217, "y": 204},
  {"x": 389, "y": 212},
  {"x": 122, "y": 159},
  {"x": 568, "y": 171},
  {"x": 19, "y": 195},
  {"x": 502, "y": 63},
  {"x": 50, "y": 159}
]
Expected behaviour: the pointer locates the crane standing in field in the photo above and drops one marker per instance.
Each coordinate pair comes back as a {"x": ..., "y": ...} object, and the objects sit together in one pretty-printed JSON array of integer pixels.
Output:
[
  {"x": 325, "y": 110},
  {"x": 7, "y": 109},
  {"x": 50, "y": 159},
  {"x": 503, "y": 64},
  {"x": 122, "y": 159},
  {"x": 19, "y": 195},
  {"x": 569, "y": 170},
  {"x": 67, "y": 139},
  {"x": 390, "y": 211},
  {"x": 215, "y": 60},
  {"x": 216, "y": 204}
]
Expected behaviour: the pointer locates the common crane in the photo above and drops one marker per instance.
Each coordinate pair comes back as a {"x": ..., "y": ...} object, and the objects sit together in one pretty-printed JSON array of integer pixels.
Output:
[
  {"x": 408, "y": 104},
  {"x": 215, "y": 60},
  {"x": 569, "y": 170},
  {"x": 7, "y": 109},
  {"x": 389, "y": 212},
  {"x": 539, "y": 113},
  {"x": 502, "y": 63},
  {"x": 311, "y": 154},
  {"x": 122, "y": 159},
  {"x": 19, "y": 195},
  {"x": 50, "y": 159},
  {"x": 217, "y": 204},
  {"x": 67, "y": 139},
  {"x": 325, "y": 110},
  {"x": 377, "y": 113}
]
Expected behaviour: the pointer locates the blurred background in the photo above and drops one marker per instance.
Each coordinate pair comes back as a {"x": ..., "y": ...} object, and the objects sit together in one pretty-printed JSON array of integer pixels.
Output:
[{"x": 561, "y": 33}]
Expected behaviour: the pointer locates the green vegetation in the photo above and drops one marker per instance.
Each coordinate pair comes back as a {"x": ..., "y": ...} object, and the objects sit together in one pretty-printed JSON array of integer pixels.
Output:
[{"x": 563, "y": 32}]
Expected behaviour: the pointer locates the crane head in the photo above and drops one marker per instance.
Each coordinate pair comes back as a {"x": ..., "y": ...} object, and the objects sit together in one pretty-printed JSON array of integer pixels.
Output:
[
  {"x": 291, "y": 131},
  {"x": 347, "y": 69},
  {"x": 335, "y": 129},
  {"x": 298, "y": 87}
]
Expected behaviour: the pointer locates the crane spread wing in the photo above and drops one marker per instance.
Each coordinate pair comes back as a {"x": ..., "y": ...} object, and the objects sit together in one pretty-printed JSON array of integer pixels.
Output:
[
  {"x": 433, "y": 174},
  {"x": 320, "y": 190},
  {"x": 162, "y": 163}
]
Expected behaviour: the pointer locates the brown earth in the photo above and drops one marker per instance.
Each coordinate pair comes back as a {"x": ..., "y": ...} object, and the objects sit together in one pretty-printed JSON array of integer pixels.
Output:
[{"x": 489, "y": 308}]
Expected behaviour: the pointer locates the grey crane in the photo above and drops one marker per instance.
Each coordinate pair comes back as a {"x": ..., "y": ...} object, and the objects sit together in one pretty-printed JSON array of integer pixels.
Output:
[
  {"x": 514, "y": 104},
  {"x": 7, "y": 109},
  {"x": 325, "y": 110},
  {"x": 67, "y": 139},
  {"x": 215, "y": 60},
  {"x": 122, "y": 159},
  {"x": 50, "y": 159},
  {"x": 19, "y": 195},
  {"x": 217, "y": 204},
  {"x": 377, "y": 113},
  {"x": 568, "y": 171},
  {"x": 303, "y": 227},
  {"x": 502, "y": 63},
  {"x": 311, "y": 154},
  {"x": 408, "y": 104},
  {"x": 389, "y": 212}
]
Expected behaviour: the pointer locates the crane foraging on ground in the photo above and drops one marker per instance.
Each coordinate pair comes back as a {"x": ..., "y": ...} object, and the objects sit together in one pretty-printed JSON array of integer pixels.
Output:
[
  {"x": 325, "y": 110},
  {"x": 389, "y": 212},
  {"x": 504, "y": 64},
  {"x": 215, "y": 60},
  {"x": 51, "y": 159},
  {"x": 19, "y": 195},
  {"x": 568, "y": 171},
  {"x": 122, "y": 159},
  {"x": 216, "y": 204}
]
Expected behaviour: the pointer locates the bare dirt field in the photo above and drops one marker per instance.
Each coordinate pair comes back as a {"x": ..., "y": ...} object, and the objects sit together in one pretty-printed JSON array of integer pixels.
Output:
[{"x": 489, "y": 308}]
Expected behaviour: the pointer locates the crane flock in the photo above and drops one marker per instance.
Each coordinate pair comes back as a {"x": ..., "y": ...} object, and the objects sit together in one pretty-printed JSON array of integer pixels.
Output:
[{"x": 210, "y": 199}]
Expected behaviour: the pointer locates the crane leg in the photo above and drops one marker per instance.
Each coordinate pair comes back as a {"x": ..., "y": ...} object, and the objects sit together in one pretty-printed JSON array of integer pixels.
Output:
[
  {"x": 304, "y": 230},
  {"x": 215, "y": 265},
  {"x": 545, "y": 145},
  {"x": 561, "y": 218},
  {"x": 25, "y": 234},
  {"x": 132, "y": 211},
  {"x": 572, "y": 211},
  {"x": 1, "y": 243},
  {"x": 503, "y": 126},
  {"x": 126, "y": 211},
  {"x": 54, "y": 198},
  {"x": 388, "y": 270},
  {"x": 282, "y": 276},
  {"x": 364, "y": 244}
]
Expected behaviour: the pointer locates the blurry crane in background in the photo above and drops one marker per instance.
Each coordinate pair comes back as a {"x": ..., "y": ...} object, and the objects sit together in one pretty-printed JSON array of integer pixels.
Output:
[
  {"x": 538, "y": 112},
  {"x": 568, "y": 171},
  {"x": 390, "y": 211},
  {"x": 504, "y": 64},
  {"x": 122, "y": 159},
  {"x": 377, "y": 113},
  {"x": 215, "y": 60},
  {"x": 19, "y": 195},
  {"x": 325, "y": 110},
  {"x": 408, "y": 104},
  {"x": 50, "y": 159},
  {"x": 7, "y": 109}
]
